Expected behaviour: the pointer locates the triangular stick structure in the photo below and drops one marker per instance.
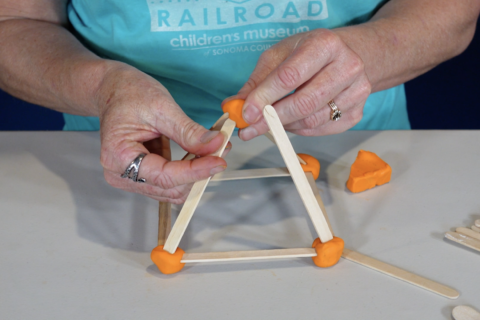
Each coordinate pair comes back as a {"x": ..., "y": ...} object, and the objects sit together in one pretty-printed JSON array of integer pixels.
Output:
[
  {"x": 171, "y": 259},
  {"x": 304, "y": 182}
]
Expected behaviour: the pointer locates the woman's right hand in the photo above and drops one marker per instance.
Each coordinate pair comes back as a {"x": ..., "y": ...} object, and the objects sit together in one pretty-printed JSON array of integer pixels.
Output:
[{"x": 136, "y": 114}]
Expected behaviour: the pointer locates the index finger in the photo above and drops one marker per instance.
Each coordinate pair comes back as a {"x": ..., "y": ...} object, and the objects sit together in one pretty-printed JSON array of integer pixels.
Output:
[{"x": 309, "y": 57}]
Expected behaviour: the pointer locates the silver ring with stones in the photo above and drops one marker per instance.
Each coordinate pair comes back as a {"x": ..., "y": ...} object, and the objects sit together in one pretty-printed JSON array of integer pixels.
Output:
[
  {"x": 335, "y": 114},
  {"x": 132, "y": 170}
]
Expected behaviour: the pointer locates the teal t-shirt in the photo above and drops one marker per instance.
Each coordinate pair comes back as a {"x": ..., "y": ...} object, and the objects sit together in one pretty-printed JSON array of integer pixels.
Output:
[{"x": 203, "y": 51}]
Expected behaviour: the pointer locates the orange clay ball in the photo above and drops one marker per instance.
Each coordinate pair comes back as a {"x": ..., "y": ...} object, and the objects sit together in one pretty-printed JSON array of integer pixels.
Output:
[
  {"x": 313, "y": 165},
  {"x": 235, "y": 111},
  {"x": 328, "y": 253},
  {"x": 166, "y": 262}
]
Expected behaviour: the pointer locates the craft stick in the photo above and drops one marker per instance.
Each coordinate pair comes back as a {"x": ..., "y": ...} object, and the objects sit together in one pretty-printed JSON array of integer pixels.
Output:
[
  {"x": 271, "y": 138},
  {"x": 251, "y": 174},
  {"x": 248, "y": 255},
  {"x": 477, "y": 223},
  {"x": 216, "y": 127},
  {"x": 465, "y": 313},
  {"x": 298, "y": 176},
  {"x": 400, "y": 274},
  {"x": 164, "y": 221},
  {"x": 194, "y": 196},
  {"x": 468, "y": 232},
  {"x": 476, "y": 229},
  {"x": 313, "y": 185},
  {"x": 462, "y": 239}
]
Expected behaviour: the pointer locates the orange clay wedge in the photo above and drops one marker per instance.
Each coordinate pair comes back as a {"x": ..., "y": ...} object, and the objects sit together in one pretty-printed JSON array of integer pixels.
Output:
[
  {"x": 368, "y": 171},
  {"x": 235, "y": 110}
]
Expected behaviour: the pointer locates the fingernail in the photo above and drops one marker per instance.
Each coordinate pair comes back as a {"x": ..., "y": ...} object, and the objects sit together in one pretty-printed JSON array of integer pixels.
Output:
[
  {"x": 218, "y": 169},
  {"x": 208, "y": 136},
  {"x": 248, "y": 133},
  {"x": 251, "y": 114}
]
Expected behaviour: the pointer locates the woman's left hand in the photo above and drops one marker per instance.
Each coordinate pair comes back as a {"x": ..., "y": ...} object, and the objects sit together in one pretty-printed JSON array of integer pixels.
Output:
[{"x": 319, "y": 67}]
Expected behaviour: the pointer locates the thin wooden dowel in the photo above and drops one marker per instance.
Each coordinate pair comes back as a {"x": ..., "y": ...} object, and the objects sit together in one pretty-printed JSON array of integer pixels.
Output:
[
  {"x": 475, "y": 228},
  {"x": 248, "y": 255},
  {"x": 468, "y": 232},
  {"x": 164, "y": 221},
  {"x": 463, "y": 240},
  {"x": 194, "y": 196},
  {"x": 270, "y": 137},
  {"x": 251, "y": 174},
  {"x": 298, "y": 176},
  {"x": 400, "y": 274},
  {"x": 313, "y": 185}
]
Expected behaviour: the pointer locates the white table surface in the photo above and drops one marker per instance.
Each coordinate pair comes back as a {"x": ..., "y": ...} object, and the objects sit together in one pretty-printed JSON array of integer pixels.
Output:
[{"x": 72, "y": 247}]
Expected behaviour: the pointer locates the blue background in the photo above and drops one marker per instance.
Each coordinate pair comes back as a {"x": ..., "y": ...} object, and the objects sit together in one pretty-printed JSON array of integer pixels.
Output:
[{"x": 446, "y": 97}]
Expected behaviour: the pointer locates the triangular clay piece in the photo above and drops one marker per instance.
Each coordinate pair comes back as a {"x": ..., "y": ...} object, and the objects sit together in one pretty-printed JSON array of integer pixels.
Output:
[{"x": 368, "y": 171}]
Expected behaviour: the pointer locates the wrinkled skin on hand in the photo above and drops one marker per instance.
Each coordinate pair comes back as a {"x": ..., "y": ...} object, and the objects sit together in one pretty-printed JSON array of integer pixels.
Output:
[
  {"x": 138, "y": 115},
  {"x": 319, "y": 67}
]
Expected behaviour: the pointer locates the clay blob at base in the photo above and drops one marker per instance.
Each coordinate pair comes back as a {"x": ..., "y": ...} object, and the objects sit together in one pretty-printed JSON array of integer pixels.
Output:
[
  {"x": 166, "y": 262},
  {"x": 313, "y": 165},
  {"x": 328, "y": 253}
]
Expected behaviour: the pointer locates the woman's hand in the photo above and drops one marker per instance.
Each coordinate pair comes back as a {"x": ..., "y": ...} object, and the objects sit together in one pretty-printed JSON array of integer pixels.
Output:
[
  {"x": 319, "y": 67},
  {"x": 136, "y": 115}
]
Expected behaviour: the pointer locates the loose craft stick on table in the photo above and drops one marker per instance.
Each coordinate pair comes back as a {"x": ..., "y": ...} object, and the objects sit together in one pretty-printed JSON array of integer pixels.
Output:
[
  {"x": 465, "y": 313},
  {"x": 251, "y": 174},
  {"x": 464, "y": 240},
  {"x": 400, "y": 274},
  {"x": 194, "y": 196},
  {"x": 298, "y": 175},
  {"x": 468, "y": 232}
]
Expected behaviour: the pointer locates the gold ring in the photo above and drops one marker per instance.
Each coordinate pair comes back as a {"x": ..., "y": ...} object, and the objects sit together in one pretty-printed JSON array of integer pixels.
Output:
[{"x": 335, "y": 114}]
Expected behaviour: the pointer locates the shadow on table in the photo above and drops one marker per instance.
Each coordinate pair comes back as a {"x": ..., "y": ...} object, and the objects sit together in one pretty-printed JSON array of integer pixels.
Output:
[{"x": 121, "y": 220}]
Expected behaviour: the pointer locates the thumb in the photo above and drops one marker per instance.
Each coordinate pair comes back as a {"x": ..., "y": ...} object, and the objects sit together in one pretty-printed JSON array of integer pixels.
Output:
[{"x": 191, "y": 136}]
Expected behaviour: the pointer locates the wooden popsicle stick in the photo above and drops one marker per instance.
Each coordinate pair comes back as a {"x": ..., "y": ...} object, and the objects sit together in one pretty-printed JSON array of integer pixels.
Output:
[
  {"x": 248, "y": 255},
  {"x": 462, "y": 239},
  {"x": 468, "y": 232},
  {"x": 194, "y": 196},
  {"x": 476, "y": 229},
  {"x": 465, "y": 313},
  {"x": 477, "y": 223},
  {"x": 313, "y": 185},
  {"x": 251, "y": 174},
  {"x": 216, "y": 127},
  {"x": 271, "y": 138},
  {"x": 298, "y": 176},
  {"x": 164, "y": 221},
  {"x": 400, "y": 274}
]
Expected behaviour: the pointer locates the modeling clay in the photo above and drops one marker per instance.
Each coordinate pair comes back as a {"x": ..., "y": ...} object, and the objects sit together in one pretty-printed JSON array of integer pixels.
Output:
[
  {"x": 234, "y": 109},
  {"x": 368, "y": 171},
  {"x": 166, "y": 262},
  {"x": 313, "y": 165},
  {"x": 328, "y": 253}
]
